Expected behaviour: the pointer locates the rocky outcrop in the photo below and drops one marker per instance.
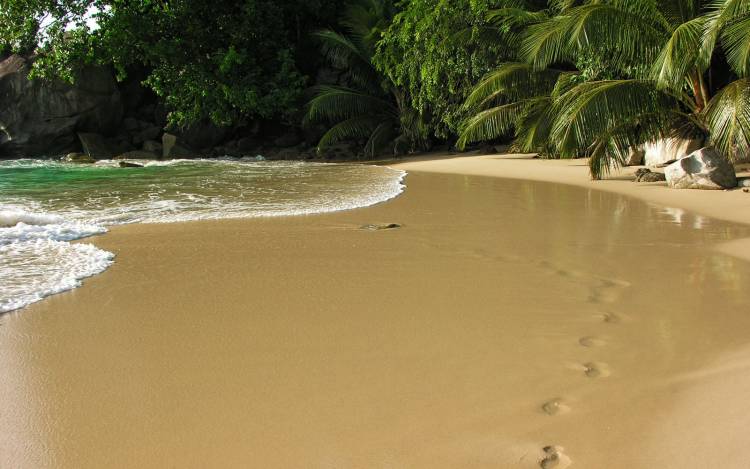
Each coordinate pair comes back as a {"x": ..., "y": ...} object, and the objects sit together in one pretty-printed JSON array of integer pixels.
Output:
[
  {"x": 78, "y": 158},
  {"x": 667, "y": 150},
  {"x": 171, "y": 147},
  {"x": 703, "y": 169},
  {"x": 42, "y": 118},
  {"x": 98, "y": 147},
  {"x": 646, "y": 175},
  {"x": 137, "y": 155}
]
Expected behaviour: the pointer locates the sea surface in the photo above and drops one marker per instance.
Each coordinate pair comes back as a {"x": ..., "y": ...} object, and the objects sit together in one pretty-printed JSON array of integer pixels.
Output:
[{"x": 45, "y": 205}]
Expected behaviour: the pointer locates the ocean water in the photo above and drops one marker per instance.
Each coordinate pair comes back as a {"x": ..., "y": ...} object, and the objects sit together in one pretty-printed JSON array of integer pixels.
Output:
[{"x": 45, "y": 205}]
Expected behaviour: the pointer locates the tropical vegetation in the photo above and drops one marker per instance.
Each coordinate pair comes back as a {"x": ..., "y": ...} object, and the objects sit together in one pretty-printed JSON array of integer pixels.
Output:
[{"x": 561, "y": 78}]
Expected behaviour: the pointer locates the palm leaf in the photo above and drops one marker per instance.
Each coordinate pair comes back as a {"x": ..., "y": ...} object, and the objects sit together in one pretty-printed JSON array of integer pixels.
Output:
[
  {"x": 728, "y": 119},
  {"x": 332, "y": 103}
]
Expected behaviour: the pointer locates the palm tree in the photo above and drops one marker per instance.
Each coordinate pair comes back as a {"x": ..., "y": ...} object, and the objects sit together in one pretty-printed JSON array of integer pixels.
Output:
[
  {"x": 625, "y": 72},
  {"x": 369, "y": 107}
]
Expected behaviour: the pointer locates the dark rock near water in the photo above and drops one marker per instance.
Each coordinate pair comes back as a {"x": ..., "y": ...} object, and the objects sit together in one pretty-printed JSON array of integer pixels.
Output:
[
  {"x": 382, "y": 226},
  {"x": 128, "y": 164},
  {"x": 130, "y": 124},
  {"x": 646, "y": 175},
  {"x": 42, "y": 118},
  {"x": 150, "y": 132},
  {"x": 78, "y": 158},
  {"x": 97, "y": 146},
  {"x": 171, "y": 147},
  {"x": 201, "y": 135},
  {"x": 153, "y": 146},
  {"x": 288, "y": 139},
  {"x": 137, "y": 155}
]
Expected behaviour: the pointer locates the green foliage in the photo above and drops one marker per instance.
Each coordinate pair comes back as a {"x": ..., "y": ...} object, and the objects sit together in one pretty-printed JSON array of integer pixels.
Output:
[
  {"x": 636, "y": 73},
  {"x": 368, "y": 107},
  {"x": 226, "y": 60},
  {"x": 435, "y": 50}
]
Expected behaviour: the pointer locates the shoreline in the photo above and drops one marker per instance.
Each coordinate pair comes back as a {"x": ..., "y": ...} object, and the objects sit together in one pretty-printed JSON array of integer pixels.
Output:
[
  {"x": 728, "y": 205},
  {"x": 461, "y": 339},
  {"x": 735, "y": 204}
]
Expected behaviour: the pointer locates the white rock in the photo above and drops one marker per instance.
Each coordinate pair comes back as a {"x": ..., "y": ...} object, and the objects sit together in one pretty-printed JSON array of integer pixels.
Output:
[
  {"x": 703, "y": 169},
  {"x": 669, "y": 149}
]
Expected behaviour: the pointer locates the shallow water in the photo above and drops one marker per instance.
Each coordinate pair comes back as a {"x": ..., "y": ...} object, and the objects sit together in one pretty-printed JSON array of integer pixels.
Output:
[
  {"x": 503, "y": 322},
  {"x": 46, "y": 204}
]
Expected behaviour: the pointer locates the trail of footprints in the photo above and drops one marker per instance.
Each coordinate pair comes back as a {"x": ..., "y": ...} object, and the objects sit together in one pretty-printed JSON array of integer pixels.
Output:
[{"x": 603, "y": 291}]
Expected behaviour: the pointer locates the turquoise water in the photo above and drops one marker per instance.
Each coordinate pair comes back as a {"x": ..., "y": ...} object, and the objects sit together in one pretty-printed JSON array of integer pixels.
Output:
[{"x": 45, "y": 204}]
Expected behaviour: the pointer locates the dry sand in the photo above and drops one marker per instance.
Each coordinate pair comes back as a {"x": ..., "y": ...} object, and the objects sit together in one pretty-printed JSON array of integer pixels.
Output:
[{"x": 506, "y": 324}]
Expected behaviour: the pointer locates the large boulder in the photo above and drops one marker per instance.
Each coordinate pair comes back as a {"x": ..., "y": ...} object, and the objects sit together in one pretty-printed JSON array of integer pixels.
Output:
[
  {"x": 703, "y": 169},
  {"x": 201, "y": 135},
  {"x": 172, "y": 147},
  {"x": 98, "y": 147},
  {"x": 669, "y": 149},
  {"x": 42, "y": 117}
]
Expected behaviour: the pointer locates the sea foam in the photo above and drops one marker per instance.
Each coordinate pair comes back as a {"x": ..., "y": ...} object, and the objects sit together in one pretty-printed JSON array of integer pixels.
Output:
[{"x": 45, "y": 205}]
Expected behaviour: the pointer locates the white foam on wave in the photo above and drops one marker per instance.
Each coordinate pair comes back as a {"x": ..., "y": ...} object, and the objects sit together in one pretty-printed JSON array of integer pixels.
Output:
[
  {"x": 32, "y": 270},
  {"x": 13, "y": 217},
  {"x": 38, "y": 260}
]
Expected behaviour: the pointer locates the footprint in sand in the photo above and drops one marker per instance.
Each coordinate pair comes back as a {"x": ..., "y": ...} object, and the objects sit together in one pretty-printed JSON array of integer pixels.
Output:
[
  {"x": 607, "y": 290},
  {"x": 610, "y": 318},
  {"x": 595, "y": 369},
  {"x": 554, "y": 458},
  {"x": 591, "y": 341},
  {"x": 555, "y": 407}
]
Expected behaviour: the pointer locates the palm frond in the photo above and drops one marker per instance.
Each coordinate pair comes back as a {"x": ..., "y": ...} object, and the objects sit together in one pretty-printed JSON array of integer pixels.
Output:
[
  {"x": 590, "y": 109},
  {"x": 332, "y": 103},
  {"x": 735, "y": 39},
  {"x": 491, "y": 124},
  {"x": 356, "y": 127},
  {"x": 620, "y": 30},
  {"x": 728, "y": 119},
  {"x": 512, "y": 81},
  {"x": 679, "y": 56}
]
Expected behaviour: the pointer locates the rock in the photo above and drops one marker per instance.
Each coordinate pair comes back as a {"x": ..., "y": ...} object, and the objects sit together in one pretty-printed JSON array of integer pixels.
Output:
[
  {"x": 703, "y": 169},
  {"x": 137, "y": 155},
  {"x": 668, "y": 150},
  {"x": 148, "y": 133},
  {"x": 130, "y": 124},
  {"x": 42, "y": 117},
  {"x": 636, "y": 156},
  {"x": 743, "y": 182},
  {"x": 287, "y": 154},
  {"x": 382, "y": 226},
  {"x": 488, "y": 150},
  {"x": 127, "y": 164},
  {"x": 78, "y": 158},
  {"x": 646, "y": 175},
  {"x": 172, "y": 149},
  {"x": 246, "y": 144},
  {"x": 201, "y": 135},
  {"x": 153, "y": 146},
  {"x": 98, "y": 147},
  {"x": 288, "y": 139}
]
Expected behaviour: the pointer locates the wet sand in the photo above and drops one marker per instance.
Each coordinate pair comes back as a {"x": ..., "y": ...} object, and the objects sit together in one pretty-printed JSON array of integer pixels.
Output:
[{"x": 507, "y": 323}]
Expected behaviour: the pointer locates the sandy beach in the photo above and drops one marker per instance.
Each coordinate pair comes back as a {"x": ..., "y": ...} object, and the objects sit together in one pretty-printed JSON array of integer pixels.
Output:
[{"x": 522, "y": 316}]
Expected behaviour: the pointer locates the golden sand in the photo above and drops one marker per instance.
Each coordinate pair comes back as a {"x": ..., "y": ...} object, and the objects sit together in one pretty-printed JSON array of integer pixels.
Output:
[{"x": 506, "y": 324}]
